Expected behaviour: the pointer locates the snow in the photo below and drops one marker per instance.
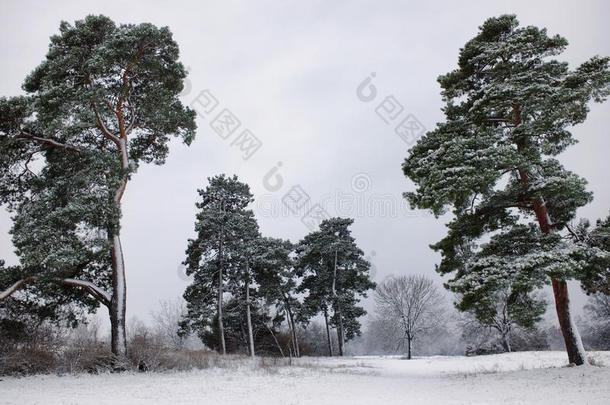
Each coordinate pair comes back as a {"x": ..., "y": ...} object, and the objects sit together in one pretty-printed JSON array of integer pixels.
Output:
[{"x": 514, "y": 378}]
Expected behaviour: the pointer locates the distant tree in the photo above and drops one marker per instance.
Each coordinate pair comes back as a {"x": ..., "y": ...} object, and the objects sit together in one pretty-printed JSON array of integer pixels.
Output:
[
  {"x": 313, "y": 340},
  {"x": 499, "y": 302},
  {"x": 413, "y": 304},
  {"x": 167, "y": 323},
  {"x": 509, "y": 108},
  {"x": 103, "y": 101},
  {"x": 505, "y": 310},
  {"x": 274, "y": 273},
  {"x": 597, "y": 322},
  {"x": 220, "y": 256},
  {"x": 529, "y": 339},
  {"x": 334, "y": 274}
]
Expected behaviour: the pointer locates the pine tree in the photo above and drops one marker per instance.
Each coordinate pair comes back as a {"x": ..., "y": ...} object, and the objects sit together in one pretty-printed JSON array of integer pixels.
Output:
[
  {"x": 104, "y": 100},
  {"x": 220, "y": 257},
  {"x": 509, "y": 107},
  {"x": 335, "y": 274},
  {"x": 274, "y": 272}
]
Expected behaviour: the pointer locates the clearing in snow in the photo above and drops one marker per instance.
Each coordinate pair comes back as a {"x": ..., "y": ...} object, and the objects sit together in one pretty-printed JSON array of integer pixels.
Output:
[{"x": 513, "y": 378}]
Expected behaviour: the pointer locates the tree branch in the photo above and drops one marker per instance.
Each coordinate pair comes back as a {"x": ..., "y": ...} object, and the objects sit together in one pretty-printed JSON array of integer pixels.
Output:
[
  {"x": 15, "y": 287},
  {"x": 105, "y": 131},
  {"x": 97, "y": 292},
  {"x": 47, "y": 141}
]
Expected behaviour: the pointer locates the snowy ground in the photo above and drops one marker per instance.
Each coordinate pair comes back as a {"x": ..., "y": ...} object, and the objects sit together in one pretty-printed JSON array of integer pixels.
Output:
[{"x": 515, "y": 378}]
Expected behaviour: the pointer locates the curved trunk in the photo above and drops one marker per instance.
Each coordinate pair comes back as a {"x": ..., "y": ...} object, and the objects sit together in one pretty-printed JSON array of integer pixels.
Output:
[
  {"x": 571, "y": 337},
  {"x": 574, "y": 346}
]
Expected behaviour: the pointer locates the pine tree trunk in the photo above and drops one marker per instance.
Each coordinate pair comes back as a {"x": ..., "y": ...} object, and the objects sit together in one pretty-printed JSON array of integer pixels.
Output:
[
  {"x": 571, "y": 337},
  {"x": 573, "y": 342},
  {"x": 330, "y": 343},
  {"x": 340, "y": 336},
  {"x": 117, "y": 304},
  {"x": 291, "y": 346},
  {"x": 249, "y": 318},
  {"x": 340, "y": 331},
  {"x": 221, "y": 325},
  {"x": 291, "y": 325}
]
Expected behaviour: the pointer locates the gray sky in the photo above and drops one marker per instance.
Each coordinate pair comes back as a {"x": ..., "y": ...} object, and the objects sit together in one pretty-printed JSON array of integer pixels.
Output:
[{"x": 289, "y": 71}]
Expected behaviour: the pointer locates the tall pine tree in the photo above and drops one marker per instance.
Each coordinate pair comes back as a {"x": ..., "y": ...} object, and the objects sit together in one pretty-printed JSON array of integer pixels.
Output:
[
  {"x": 104, "y": 100},
  {"x": 509, "y": 107},
  {"x": 335, "y": 275},
  {"x": 220, "y": 256}
]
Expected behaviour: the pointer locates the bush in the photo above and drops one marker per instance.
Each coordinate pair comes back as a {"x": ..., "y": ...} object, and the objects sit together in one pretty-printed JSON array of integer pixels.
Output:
[
  {"x": 529, "y": 339},
  {"x": 88, "y": 357},
  {"x": 25, "y": 361}
]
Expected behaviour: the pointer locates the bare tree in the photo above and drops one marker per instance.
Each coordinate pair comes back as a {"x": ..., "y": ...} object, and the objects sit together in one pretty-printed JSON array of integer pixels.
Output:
[
  {"x": 167, "y": 322},
  {"x": 597, "y": 321},
  {"x": 412, "y": 303}
]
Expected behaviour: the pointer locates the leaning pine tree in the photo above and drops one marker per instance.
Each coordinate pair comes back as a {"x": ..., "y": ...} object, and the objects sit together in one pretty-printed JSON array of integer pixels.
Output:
[
  {"x": 104, "y": 100},
  {"x": 508, "y": 109}
]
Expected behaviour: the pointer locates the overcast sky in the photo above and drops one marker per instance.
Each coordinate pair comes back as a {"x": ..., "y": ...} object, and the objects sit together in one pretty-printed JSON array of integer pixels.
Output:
[{"x": 289, "y": 71}]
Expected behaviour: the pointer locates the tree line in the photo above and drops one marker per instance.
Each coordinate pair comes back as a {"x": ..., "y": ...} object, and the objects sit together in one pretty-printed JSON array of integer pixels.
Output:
[{"x": 238, "y": 274}]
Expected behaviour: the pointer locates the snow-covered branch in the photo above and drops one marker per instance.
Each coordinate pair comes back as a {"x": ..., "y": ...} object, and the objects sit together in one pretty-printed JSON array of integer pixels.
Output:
[
  {"x": 14, "y": 288},
  {"x": 47, "y": 141},
  {"x": 97, "y": 292}
]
